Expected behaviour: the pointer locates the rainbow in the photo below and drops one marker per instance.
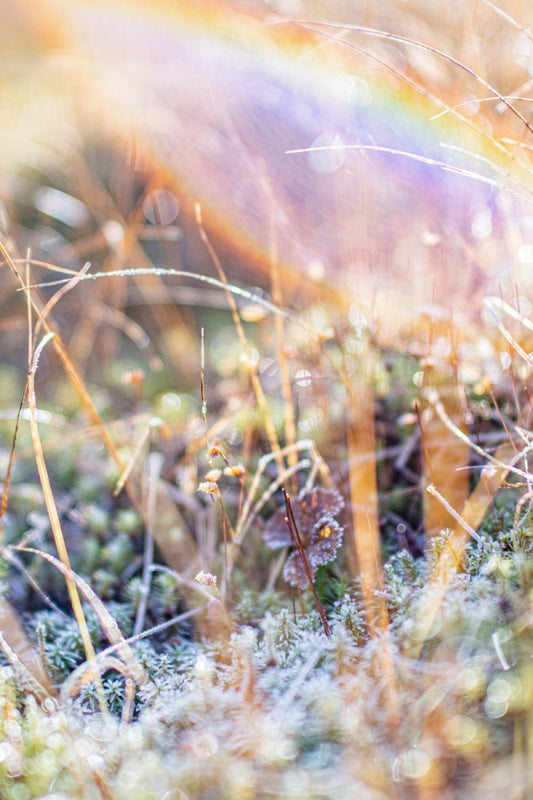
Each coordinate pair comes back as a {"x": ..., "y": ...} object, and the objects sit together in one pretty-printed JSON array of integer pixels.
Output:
[{"x": 295, "y": 142}]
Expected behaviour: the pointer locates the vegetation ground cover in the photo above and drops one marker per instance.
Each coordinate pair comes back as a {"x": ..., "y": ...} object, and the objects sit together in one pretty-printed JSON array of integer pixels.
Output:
[{"x": 257, "y": 540}]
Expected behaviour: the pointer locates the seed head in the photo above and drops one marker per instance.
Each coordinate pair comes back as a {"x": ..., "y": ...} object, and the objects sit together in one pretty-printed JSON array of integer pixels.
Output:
[{"x": 206, "y": 578}]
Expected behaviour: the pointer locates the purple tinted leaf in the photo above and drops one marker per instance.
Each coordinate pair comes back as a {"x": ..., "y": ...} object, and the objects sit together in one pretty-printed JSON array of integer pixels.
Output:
[
  {"x": 321, "y": 534},
  {"x": 276, "y": 533},
  {"x": 294, "y": 571},
  {"x": 323, "y": 548}
]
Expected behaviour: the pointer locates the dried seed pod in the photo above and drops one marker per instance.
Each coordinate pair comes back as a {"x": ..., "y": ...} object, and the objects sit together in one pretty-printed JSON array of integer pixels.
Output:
[{"x": 206, "y": 578}]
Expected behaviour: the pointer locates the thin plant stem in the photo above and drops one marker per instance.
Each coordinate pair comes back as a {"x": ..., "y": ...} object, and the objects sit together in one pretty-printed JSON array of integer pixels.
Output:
[
  {"x": 298, "y": 546},
  {"x": 250, "y": 362}
]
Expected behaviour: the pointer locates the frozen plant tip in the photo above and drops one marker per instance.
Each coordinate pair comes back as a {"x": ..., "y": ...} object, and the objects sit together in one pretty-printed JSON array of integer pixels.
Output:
[
  {"x": 206, "y": 579},
  {"x": 208, "y": 487}
]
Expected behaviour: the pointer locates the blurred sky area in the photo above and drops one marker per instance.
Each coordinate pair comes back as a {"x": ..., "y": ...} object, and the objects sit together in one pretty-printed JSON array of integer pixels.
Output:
[{"x": 324, "y": 133}]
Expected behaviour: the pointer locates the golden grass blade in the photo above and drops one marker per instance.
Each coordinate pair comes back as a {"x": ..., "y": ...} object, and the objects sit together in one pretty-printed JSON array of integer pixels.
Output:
[
  {"x": 433, "y": 491},
  {"x": 449, "y": 562},
  {"x": 445, "y": 454},
  {"x": 362, "y": 467},
  {"x": 53, "y": 514},
  {"x": 30, "y": 683},
  {"x": 18, "y": 648},
  {"x": 507, "y": 335},
  {"x": 48, "y": 496},
  {"x": 363, "y": 490},
  {"x": 7, "y": 482},
  {"x": 73, "y": 375},
  {"x": 492, "y": 459}
]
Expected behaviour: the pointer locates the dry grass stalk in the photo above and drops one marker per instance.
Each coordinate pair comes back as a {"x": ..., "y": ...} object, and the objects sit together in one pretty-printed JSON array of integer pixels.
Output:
[
  {"x": 449, "y": 562},
  {"x": 495, "y": 459},
  {"x": 17, "y": 647},
  {"x": 250, "y": 364},
  {"x": 493, "y": 303},
  {"x": 315, "y": 462},
  {"x": 176, "y": 337},
  {"x": 154, "y": 464},
  {"x": 298, "y": 546},
  {"x": 445, "y": 455},
  {"x": 362, "y": 465},
  {"x": 366, "y": 542},
  {"x": 139, "y": 447},
  {"x": 75, "y": 378},
  {"x": 56, "y": 524},
  {"x": 283, "y": 363},
  {"x": 107, "y": 622},
  {"x": 34, "y": 354}
]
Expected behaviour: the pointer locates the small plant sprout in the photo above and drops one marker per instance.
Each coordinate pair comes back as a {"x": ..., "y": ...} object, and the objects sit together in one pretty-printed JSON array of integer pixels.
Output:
[
  {"x": 136, "y": 379},
  {"x": 210, "y": 484}
]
